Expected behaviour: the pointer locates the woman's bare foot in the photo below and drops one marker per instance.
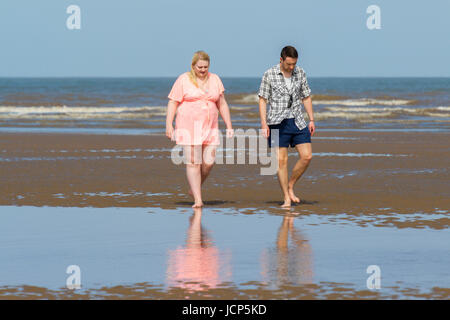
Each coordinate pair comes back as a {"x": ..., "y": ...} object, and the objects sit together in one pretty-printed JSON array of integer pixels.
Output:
[
  {"x": 287, "y": 203},
  {"x": 197, "y": 204},
  {"x": 292, "y": 196}
]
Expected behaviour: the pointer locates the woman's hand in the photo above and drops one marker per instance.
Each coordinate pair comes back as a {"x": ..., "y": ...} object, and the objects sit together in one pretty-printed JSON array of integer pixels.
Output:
[
  {"x": 230, "y": 133},
  {"x": 169, "y": 131},
  {"x": 224, "y": 111},
  {"x": 171, "y": 109}
]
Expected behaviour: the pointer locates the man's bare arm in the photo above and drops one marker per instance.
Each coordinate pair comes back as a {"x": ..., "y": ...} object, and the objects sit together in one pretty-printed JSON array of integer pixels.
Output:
[
  {"x": 262, "y": 115},
  {"x": 307, "y": 103}
]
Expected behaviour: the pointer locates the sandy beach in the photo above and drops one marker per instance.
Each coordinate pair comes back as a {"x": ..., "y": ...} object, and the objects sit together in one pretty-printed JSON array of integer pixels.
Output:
[
  {"x": 352, "y": 172},
  {"x": 380, "y": 197}
]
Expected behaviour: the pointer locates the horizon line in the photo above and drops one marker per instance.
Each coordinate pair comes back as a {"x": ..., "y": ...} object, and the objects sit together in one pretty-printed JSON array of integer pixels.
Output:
[{"x": 149, "y": 77}]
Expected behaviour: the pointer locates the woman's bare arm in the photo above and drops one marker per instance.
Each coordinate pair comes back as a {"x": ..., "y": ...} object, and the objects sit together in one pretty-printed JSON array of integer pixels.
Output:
[
  {"x": 171, "y": 109},
  {"x": 224, "y": 111}
]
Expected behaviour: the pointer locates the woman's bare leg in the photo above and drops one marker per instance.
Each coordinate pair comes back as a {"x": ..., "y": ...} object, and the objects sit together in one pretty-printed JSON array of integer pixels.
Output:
[
  {"x": 193, "y": 173},
  {"x": 209, "y": 156}
]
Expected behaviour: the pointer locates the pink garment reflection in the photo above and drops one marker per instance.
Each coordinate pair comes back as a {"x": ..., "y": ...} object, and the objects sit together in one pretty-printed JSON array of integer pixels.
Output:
[{"x": 195, "y": 267}]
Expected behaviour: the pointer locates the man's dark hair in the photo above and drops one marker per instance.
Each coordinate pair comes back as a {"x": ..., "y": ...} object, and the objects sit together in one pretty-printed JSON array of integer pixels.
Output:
[{"x": 289, "y": 51}]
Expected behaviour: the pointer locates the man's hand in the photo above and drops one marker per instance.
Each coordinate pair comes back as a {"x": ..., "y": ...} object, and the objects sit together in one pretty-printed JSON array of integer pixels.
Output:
[
  {"x": 265, "y": 130},
  {"x": 307, "y": 103},
  {"x": 312, "y": 128}
]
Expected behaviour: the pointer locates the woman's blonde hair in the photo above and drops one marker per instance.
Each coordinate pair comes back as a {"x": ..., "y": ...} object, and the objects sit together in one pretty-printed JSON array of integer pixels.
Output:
[{"x": 199, "y": 55}]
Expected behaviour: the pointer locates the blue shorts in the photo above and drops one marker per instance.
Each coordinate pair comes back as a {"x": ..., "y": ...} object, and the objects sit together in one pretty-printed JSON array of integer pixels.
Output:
[{"x": 289, "y": 134}]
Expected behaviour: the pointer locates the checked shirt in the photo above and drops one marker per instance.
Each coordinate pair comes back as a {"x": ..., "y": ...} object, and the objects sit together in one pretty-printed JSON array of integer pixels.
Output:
[{"x": 273, "y": 89}]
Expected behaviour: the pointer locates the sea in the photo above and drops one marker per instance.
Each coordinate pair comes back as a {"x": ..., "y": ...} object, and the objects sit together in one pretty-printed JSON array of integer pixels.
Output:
[{"x": 138, "y": 105}]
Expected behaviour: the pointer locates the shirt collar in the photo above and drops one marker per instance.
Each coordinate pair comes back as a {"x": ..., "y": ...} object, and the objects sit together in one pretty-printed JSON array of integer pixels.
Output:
[{"x": 278, "y": 70}]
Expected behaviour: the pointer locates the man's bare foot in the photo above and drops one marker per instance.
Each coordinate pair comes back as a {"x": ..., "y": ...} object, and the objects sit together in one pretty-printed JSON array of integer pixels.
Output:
[
  {"x": 287, "y": 203},
  {"x": 197, "y": 204},
  {"x": 293, "y": 197}
]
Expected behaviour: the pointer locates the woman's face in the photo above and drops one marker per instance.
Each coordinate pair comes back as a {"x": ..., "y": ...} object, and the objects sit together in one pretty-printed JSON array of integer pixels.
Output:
[{"x": 201, "y": 68}]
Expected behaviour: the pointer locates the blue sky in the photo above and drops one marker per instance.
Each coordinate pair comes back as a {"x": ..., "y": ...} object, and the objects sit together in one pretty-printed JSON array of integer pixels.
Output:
[{"x": 152, "y": 38}]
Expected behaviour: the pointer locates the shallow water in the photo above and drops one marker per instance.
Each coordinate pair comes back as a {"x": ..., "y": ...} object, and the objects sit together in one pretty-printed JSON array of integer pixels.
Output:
[{"x": 200, "y": 250}]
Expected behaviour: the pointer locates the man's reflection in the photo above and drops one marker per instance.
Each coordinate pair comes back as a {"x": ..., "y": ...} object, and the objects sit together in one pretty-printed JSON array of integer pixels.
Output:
[
  {"x": 197, "y": 264},
  {"x": 288, "y": 263}
]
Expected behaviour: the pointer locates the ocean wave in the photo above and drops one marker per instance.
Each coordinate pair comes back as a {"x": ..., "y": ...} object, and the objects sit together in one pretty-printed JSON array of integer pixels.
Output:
[
  {"x": 81, "y": 112},
  {"x": 243, "y": 98},
  {"x": 351, "y": 115},
  {"x": 400, "y": 121},
  {"x": 251, "y": 99},
  {"x": 235, "y": 108},
  {"x": 366, "y": 102},
  {"x": 155, "y": 113},
  {"x": 365, "y": 112},
  {"x": 395, "y": 109}
]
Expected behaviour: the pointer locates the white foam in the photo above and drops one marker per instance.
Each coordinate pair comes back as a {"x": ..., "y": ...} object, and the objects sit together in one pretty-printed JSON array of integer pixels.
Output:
[
  {"x": 364, "y": 102},
  {"x": 253, "y": 98},
  {"x": 352, "y": 154},
  {"x": 438, "y": 115},
  {"x": 364, "y": 113},
  {"x": 241, "y": 108},
  {"x": 81, "y": 112},
  {"x": 368, "y": 109},
  {"x": 249, "y": 98},
  {"x": 350, "y": 115}
]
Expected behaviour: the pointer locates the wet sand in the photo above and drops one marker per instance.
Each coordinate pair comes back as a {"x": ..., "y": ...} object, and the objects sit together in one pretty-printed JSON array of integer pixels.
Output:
[
  {"x": 351, "y": 172},
  {"x": 382, "y": 194}
]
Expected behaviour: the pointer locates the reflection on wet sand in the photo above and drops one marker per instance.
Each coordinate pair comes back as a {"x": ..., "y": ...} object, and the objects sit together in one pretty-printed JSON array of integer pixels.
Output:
[
  {"x": 197, "y": 266},
  {"x": 289, "y": 263}
]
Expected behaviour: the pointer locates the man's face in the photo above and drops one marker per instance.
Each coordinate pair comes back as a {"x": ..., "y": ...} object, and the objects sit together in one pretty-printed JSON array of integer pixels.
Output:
[{"x": 288, "y": 64}]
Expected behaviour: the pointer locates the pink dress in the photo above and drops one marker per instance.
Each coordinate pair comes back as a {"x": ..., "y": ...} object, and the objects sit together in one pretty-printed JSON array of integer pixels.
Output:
[{"x": 197, "y": 119}]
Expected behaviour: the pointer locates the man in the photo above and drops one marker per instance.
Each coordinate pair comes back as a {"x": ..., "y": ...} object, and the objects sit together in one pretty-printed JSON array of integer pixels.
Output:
[{"x": 284, "y": 87}]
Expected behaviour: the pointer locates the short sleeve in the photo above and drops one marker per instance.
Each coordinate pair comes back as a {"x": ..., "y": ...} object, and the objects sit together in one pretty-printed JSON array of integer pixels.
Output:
[
  {"x": 264, "y": 88},
  {"x": 176, "y": 93},
  {"x": 220, "y": 85},
  {"x": 305, "y": 91}
]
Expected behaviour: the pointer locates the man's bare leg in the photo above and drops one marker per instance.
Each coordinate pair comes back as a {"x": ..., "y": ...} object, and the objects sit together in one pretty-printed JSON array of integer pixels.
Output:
[
  {"x": 305, "y": 153},
  {"x": 282, "y": 155}
]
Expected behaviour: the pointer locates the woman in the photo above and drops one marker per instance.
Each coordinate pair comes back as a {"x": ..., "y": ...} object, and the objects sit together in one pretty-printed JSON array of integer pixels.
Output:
[{"x": 197, "y": 98}]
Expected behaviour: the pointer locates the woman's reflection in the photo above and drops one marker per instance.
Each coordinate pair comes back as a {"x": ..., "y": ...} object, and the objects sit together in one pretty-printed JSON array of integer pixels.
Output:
[
  {"x": 196, "y": 266},
  {"x": 288, "y": 263}
]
